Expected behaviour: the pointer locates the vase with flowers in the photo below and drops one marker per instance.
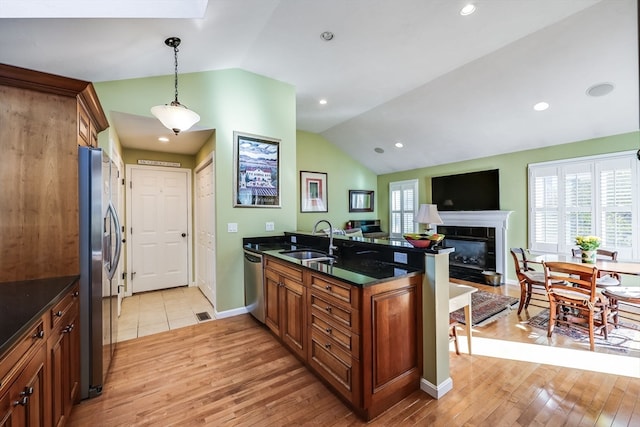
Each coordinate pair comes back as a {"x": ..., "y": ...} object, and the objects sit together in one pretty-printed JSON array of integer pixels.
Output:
[{"x": 589, "y": 246}]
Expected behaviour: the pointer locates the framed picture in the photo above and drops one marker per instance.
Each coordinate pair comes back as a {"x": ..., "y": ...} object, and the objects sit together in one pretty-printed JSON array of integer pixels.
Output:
[
  {"x": 313, "y": 192},
  {"x": 256, "y": 171},
  {"x": 360, "y": 201}
]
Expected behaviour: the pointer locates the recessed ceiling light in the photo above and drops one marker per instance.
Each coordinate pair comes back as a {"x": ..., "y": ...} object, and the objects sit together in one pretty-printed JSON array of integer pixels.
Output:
[
  {"x": 163, "y": 139},
  {"x": 327, "y": 36},
  {"x": 399, "y": 144},
  {"x": 600, "y": 89},
  {"x": 323, "y": 102},
  {"x": 378, "y": 150},
  {"x": 467, "y": 10},
  {"x": 541, "y": 106}
]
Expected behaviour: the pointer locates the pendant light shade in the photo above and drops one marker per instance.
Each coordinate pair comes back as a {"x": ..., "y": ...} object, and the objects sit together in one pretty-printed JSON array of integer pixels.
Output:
[{"x": 175, "y": 116}]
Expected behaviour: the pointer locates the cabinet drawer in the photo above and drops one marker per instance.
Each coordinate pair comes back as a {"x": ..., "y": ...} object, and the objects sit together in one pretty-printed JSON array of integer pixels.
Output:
[
  {"x": 341, "y": 292},
  {"x": 332, "y": 364},
  {"x": 285, "y": 269},
  {"x": 8, "y": 368},
  {"x": 65, "y": 305},
  {"x": 341, "y": 316},
  {"x": 343, "y": 337}
]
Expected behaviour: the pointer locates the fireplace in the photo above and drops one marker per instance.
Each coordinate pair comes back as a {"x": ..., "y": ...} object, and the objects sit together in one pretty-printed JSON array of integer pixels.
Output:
[{"x": 480, "y": 242}]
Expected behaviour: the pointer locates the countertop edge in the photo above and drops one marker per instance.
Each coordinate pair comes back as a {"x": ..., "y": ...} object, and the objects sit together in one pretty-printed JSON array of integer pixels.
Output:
[{"x": 8, "y": 345}]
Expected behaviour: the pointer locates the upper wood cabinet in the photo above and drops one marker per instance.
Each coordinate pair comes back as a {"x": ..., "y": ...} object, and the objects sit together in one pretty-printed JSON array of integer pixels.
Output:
[{"x": 43, "y": 119}]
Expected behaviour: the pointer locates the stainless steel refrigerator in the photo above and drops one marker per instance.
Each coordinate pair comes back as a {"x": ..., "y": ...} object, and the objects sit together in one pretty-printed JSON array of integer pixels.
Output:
[{"x": 100, "y": 245}]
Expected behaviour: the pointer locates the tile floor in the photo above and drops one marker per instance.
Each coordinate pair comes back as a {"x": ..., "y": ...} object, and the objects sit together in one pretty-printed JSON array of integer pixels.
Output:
[{"x": 152, "y": 312}]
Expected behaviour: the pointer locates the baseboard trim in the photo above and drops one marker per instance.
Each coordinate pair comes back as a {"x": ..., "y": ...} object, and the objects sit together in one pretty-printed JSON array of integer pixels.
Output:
[
  {"x": 230, "y": 313},
  {"x": 436, "y": 391}
]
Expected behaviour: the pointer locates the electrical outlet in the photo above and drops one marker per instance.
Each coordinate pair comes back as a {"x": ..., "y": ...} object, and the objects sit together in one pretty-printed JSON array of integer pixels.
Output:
[
  {"x": 232, "y": 227},
  {"x": 400, "y": 257},
  {"x": 269, "y": 226}
]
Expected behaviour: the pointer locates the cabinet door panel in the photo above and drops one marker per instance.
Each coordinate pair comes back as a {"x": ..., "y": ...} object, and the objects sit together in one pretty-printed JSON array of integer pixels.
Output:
[
  {"x": 394, "y": 322},
  {"x": 272, "y": 312},
  {"x": 294, "y": 318}
]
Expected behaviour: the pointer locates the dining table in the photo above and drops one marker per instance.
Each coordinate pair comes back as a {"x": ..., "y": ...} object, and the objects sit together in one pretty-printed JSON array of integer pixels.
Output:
[{"x": 621, "y": 267}]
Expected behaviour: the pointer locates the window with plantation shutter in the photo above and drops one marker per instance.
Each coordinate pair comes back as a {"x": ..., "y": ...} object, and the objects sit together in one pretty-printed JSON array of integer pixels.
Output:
[
  {"x": 403, "y": 204},
  {"x": 596, "y": 195}
]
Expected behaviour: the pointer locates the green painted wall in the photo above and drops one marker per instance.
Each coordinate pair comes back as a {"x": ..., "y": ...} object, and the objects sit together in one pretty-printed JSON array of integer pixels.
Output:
[
  {"x": 513, "y": 177},
  {"x": 227, "y": 101},
  {"x": 316, "y": 154}
]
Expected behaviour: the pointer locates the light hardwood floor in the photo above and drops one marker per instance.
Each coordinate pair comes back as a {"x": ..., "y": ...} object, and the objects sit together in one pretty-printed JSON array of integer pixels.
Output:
[{"x": 233, "y": 372}]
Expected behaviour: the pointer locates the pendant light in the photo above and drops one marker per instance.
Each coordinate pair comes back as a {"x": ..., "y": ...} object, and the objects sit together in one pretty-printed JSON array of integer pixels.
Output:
[{"x": 175, "y": 116}]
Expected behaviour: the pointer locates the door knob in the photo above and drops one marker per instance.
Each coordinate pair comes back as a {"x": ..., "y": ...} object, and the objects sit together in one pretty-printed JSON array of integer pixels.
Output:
[{"x": 184, "y": 234}]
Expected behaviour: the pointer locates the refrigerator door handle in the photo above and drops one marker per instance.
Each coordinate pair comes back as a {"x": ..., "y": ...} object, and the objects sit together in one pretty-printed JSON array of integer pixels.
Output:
[{"x": 113, "y": 258}]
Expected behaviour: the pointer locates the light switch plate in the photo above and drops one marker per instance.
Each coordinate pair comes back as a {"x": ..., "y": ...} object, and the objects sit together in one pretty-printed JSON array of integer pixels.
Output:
[
  {"x": 269, "y": 226},
  {"x": 232, "y": 227}
]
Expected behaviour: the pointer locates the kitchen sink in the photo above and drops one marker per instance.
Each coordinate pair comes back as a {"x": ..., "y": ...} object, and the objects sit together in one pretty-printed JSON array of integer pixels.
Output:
[{"x": 306, "y": 254}]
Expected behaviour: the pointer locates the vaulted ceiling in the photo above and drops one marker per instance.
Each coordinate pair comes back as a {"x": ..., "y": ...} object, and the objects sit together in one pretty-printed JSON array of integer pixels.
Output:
[{"x": 448, "y": 87}]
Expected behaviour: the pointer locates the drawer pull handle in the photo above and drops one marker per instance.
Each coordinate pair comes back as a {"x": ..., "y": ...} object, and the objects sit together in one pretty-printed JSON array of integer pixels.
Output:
[
  {"x": 59, "y": 313},
  {"x": 327, "y": 345},
  {"x": 28, "y": 391},
  {"x": 329, "y": 330},
  {"x": 22, "y": 401},
  {"x": 328, "y": 309},
  {"x": 39, "y": 334},
  {"x": 328, "y": 287},
  {"x": 76, "y": 293}
]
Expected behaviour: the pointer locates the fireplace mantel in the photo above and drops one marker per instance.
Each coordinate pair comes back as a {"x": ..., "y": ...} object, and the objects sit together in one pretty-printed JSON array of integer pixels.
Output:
[{"x": 496, "y": 219}]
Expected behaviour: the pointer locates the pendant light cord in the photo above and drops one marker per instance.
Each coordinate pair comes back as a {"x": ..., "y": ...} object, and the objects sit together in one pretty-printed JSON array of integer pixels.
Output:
[{"x": 175, "y": 56}]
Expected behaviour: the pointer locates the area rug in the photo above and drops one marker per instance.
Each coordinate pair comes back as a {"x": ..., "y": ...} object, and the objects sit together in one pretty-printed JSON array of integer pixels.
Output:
[
  {"x": 486, "y": 307},
  {"x": 623, "y": 339}
]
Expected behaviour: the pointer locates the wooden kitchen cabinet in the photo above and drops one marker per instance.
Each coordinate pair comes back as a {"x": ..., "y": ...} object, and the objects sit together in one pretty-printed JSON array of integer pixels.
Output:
[
  {"x": 42, "y": 118},
  {"x": 285, "y": 296},
  {"x": 391, "y": 337},
  {"x": 40, "y": 370},
  {"x": 365, "y": 342},
  {"x": 24, "y": 403},
  {"x": 334, "y": 342},
  {"x": 63, "y": 347}
]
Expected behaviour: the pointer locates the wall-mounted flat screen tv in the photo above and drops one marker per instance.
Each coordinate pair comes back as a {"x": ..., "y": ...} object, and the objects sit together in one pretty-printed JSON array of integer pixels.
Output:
[{"x": 474, "y": 191}]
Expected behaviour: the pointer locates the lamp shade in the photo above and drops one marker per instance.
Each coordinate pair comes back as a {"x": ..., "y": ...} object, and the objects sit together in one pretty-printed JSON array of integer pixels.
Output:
[
  {"x": 428, "y": 214},
  {"x": 177, "y": 118}
]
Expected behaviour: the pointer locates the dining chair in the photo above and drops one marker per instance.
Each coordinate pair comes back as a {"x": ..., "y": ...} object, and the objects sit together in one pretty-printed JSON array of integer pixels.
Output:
[
  {"x": 605, "y": 278},
  {"x": 575, "y": 300},
  {"x": 531, "y": 281}
]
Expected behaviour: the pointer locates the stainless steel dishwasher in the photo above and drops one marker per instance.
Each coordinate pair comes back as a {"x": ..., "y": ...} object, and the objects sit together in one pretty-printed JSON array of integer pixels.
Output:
[{"x": 254, "y": 284}]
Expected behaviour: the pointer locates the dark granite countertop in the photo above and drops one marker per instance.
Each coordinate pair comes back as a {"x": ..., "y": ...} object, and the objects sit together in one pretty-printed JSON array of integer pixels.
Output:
[
  {"x": 361, "y": 273},
  {"x": 21, "y": 303}
]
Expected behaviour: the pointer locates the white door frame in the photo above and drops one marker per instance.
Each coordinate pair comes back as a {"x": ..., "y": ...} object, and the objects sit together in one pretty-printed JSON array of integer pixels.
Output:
[
  {"x": 129, "y": 172},
  {"x": 120, "y": 193},
  {"x": 209, "y": 160}
]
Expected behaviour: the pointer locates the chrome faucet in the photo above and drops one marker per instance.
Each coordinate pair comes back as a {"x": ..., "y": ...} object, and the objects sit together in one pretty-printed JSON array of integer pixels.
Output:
[{"x": 315, "y": 227}]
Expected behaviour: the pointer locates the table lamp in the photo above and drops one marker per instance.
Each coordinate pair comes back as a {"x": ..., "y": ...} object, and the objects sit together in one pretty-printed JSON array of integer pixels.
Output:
[{"x": 428, "y": 214}]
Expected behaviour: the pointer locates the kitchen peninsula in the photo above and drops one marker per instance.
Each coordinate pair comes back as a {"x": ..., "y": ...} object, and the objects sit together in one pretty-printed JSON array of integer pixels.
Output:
[{"x": 357, "y": 320}]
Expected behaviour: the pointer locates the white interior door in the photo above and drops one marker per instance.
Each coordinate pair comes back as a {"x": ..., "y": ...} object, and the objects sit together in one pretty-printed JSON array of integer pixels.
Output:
[
  {"x": 159, "y": 228},
  {"x": 205, "y": 231}
]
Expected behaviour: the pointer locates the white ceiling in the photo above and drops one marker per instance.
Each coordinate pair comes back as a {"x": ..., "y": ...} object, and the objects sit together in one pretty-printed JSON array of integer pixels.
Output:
[{"x": 448, "y": 87}]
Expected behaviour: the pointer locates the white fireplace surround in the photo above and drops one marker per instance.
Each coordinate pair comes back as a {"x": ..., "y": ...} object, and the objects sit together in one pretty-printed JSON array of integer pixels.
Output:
[{"x": 493, "y": 219}]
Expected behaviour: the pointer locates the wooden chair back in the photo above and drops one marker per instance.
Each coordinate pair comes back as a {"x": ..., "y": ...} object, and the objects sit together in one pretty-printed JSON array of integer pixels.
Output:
[
  {"x": 573, "y": 282},
  {"x": 600, "y": 253},
  {"x": 520, "y": 260}
]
